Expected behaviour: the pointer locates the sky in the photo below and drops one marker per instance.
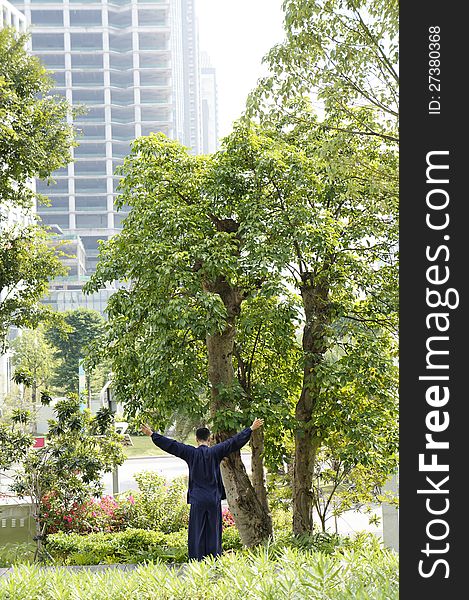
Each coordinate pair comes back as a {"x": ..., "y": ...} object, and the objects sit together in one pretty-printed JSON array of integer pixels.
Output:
[{"x": 236, "y": 34}]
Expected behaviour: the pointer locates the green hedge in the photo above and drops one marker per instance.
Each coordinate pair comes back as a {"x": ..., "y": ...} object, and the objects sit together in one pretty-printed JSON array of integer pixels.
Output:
[{"x": 130, "y": 546}]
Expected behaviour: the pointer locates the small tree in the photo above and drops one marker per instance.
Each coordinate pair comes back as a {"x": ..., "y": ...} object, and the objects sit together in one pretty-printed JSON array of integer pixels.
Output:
[
  {"x": 79, "y": 449},
  {"x": 34, "y": 362},
  {"x": 72, "y": 340}
]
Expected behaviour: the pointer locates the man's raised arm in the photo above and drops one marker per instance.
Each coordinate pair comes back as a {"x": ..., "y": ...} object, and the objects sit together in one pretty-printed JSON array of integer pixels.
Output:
[
  {"x": 168, "y": 445},
  {"x": 236, "y": 442}
]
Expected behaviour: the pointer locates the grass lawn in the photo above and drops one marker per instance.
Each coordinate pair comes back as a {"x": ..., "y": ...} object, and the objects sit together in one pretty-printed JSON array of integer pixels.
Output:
[{"x": 143, "y": 446}]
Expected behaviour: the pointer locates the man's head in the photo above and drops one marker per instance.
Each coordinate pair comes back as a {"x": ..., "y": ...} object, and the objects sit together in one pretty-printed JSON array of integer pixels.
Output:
[{"x": 201, "y": 435}]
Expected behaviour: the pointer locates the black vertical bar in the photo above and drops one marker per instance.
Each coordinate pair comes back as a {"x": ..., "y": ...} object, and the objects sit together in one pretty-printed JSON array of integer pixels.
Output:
[{"x": 433, "y": 236}]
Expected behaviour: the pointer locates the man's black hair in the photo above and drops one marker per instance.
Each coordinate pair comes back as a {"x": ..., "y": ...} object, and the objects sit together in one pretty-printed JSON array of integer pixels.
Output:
[{"x": 202, "y": 434}]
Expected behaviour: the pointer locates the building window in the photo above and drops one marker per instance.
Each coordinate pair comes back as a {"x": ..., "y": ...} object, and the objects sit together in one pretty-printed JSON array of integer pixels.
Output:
[
  {"x": 120, "y": 19},
  {"x": 122, "y": 115},
  {"x": 85, "y": 18},
  {"x": 92, "y": 149},
  {"x": 61, "y": 220},
  {"x": 52, "y": 61},
  {"x": 120, "y": 149},
  {"x": 151, "y": 17},
  {"x": 91, "y": 221},
  {"x": 123, "y": 132},
  {"x": 90, "y": 203},
  {"x": 95, "y": 132},
  {"x": 153, "y": 78},
  {"x": 154, "y": 128},
  {"x": 47, "y": 18},
  {"x": 123, "y": 97},
  {"x": 90, "y": 168},
  {"x": 59, "y": 78},
  {"x": 57, "y": 203},
  {"x": 121, "y": 61},
  {"x": 152, "y": 41},
  {"x": 91, "y": 96},
  {"x": 154, "y": 61},
  {"x": 154, "y": 97},
  {"x": 86, "y": 41},
  {"x": 59, "y": 187},
  {"x": 87, "y": 60},
  {"x": 120, "y": 42},
  {"x": 88, "y": 78},
  {"x": 122, "y": 78},
  {"x": 92, "y": 114},
  {"x": 48, "y": 41},
  {"x": 96, "y": 186},
  {"x": 154, "y": 114}
]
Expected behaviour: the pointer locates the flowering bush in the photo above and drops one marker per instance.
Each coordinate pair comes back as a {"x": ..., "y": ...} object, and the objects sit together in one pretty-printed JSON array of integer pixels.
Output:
[
  {"x": 96, "y": 514},
  {"x": 156, "y": 506},
  {"x": 227, "y": 518}
]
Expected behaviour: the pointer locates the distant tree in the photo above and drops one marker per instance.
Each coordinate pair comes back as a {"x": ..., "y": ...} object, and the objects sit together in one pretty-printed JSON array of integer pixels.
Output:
[
  {"x": 34, "y": 356},
  {"x": 72, "y": 340}
]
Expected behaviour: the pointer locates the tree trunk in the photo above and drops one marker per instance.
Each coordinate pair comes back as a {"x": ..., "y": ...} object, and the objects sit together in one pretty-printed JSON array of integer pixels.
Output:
[
  {"x": 34, "y": 408},
  {"x": 257, "y": 467},
  {"x": 316, "y": 307},
  {"x": 252, "y": 519}
]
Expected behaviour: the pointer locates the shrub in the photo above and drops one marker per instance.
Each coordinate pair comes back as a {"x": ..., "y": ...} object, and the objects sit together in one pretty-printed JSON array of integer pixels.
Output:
[
  {"x": 231, "y": 539},
  {"x": 158, "y": 505},
  {"x": 129, "y": 546}
]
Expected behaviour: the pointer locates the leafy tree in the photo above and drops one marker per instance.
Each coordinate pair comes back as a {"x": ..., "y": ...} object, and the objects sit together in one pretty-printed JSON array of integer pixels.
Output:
[
  {"x": 343, "y": 54},
  {"x": 69, "y": 467},
  {"x": 27, "y": 263},
  {"x": 35, "y": 137},
  {"x": 35, "y": 140},
  {"x": 33, "y": 355},
  {"x": 72, "y": 339},
  {"x": 328, "y": 203},
  {"x": 191, "y": 268}
]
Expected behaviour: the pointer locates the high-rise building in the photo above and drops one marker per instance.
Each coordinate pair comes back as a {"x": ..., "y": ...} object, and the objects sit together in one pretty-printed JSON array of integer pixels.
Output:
[
  {"x": 209, "y": 104},
  {"x": 134, "y": 64}
]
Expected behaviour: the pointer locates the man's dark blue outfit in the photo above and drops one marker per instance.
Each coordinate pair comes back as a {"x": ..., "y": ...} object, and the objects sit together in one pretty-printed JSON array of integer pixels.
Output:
[{"x": 206, "y": 489}]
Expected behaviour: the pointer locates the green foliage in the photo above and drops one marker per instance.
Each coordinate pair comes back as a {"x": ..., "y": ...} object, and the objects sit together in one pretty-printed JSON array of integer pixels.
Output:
[
  {"x": 35, "y": 140},
  {"x": 16, "y": 554},
  {"x": 343, "y": 53},
  {"x": 177, "y": 246},
  {"x": 72, "y": 339},
  {"x": 365, "y": 573},
  {"x": 69, "y": 467},
  {"x": 158, "y": 505},
  {"x": 231, "y": 539},
  {"x": 27, "y": 262}
]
